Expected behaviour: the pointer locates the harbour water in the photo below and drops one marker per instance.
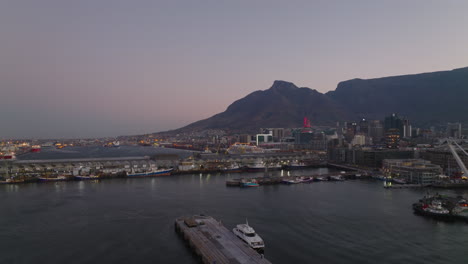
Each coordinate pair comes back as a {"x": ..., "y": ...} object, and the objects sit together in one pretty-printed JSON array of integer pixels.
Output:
[{"x": 132, "y": 221}]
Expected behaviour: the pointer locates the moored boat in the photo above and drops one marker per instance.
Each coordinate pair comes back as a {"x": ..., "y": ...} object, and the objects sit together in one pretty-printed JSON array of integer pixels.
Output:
[
  {"x": 247, "y": 234},
  {"x": 51, "y": 179},
  {"x": 292, "y": 181},
  {"x": 336, "y": 178},
  {"x": 151, "y": 173},
  {"x": 320, "y": 179},
  {"x": 87, "y": 177},
  {"x": 233, "y": 168},
  {"x": 307, "y": 179},
  {"x": 249, "y": 183}
]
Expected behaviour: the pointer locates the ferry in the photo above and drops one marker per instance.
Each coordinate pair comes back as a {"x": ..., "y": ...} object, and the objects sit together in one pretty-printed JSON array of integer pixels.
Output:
[
  {"x": 160, "y": 172},
  {"x": 247, "y": 234}
]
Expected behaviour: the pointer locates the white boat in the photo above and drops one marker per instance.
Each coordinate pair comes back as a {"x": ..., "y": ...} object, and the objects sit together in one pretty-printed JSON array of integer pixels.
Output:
[
  {"x": 336, "y": 178},
  {"x": 248, "y": 235},
  {"x": 157, "y": 172}
]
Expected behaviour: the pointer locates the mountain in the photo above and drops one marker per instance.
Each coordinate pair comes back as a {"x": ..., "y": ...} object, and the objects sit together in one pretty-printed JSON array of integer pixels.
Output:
[
  {"x": 426, "y": 98},
  {"x": 283, "y": 105}
]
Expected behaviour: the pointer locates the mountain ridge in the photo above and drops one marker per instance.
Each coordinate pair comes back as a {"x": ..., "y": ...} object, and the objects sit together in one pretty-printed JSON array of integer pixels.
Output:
[{"x": 440, "y": 96}]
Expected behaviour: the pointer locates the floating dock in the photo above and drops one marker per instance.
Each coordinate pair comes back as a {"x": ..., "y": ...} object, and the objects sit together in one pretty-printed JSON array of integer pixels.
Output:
[{"x": 214, "y": 243}]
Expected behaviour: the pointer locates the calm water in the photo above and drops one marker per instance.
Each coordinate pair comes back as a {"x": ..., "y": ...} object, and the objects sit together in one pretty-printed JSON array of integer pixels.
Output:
[{"x": 131, "y": 221}]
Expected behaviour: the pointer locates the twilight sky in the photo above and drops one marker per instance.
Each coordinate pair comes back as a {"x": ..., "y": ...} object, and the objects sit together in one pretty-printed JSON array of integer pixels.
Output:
[{"x": 93, "y": 68}]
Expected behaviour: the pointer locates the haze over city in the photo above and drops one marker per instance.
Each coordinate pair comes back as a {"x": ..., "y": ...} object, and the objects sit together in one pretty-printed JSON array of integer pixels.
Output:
[{"x": 108, "y": 68}]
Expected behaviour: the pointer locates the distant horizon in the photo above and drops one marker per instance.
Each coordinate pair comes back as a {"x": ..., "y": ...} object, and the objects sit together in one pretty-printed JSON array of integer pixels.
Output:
[{"x": 92, "y": 69}]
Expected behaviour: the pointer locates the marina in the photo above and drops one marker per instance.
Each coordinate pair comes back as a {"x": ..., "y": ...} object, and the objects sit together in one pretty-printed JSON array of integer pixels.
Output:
[
  {"x": 120, "y": 220},
  {"x": 214, "y": 243}
]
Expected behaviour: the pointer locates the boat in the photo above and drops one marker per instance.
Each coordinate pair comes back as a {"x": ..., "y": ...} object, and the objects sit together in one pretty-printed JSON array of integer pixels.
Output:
[
  {"x": 399, "y": 181},
  {"x": 321, "y": 179},
  {"x": 432, "y": 206},
  {"x": 247, "y": 234},
  {"x": 51, "y": 179},
  {"x": 35, "y": 148},
  {"x": 159, "y": 172},
  {"x": 7, "y": 156},
  {"x": 256, "y": 166},
  {"x": 249, "y": 183},
  {"x": 336, "y": 178},
  {"x": 307, "y": 179},
  {"x": 232, "y": 168},
  {"x": 295, "y": 165},
  {"x": 87, "y": 177},
  {"x": 292, "y": 181}
]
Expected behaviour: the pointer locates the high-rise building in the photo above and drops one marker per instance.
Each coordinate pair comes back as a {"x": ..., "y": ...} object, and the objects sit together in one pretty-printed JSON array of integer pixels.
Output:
[
  {"x": 407, "y": 130},
  {"x": 454, "y": 130},
  {"x": 375, "y": 130},
  {"x": 364, "y": 126},
  {"x": 392, "y": 138},
  {"x": 392, "y": 122}
]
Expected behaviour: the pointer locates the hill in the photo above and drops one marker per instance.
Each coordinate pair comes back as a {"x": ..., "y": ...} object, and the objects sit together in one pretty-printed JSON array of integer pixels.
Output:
[{"x": 426, "y": 98}]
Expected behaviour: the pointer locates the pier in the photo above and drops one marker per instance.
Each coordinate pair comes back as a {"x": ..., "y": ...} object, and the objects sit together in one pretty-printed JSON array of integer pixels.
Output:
[{"x": 214, "y": 243}]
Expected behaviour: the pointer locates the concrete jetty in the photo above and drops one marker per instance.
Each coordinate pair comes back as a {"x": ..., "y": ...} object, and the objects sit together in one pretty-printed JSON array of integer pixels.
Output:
[{"x": 214, "y": 243}]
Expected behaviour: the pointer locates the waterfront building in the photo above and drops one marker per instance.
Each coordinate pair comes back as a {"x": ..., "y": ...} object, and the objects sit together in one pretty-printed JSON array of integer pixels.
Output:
[
  {"x": 359, "y": 140},
  {"x": 445, "y": 159},
  {"x": 366, "y": 157},
  {"x": 278, "y": 133},
  {"x": 264, "y": 138},
  {"x": 392, "y": 138},
  {"x": 416, "y": 171}
]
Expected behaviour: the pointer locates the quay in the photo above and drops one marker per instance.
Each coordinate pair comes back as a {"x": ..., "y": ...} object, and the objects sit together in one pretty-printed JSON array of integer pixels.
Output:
[
  {"x": 214, "y": 243},
  {"x": 278, "y": 180},
  {"x": 405, "y": 186}
]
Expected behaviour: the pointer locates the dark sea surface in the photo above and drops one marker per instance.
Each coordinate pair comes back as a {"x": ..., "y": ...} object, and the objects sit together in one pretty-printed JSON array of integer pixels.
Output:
[{"x": 132, "y": 221}]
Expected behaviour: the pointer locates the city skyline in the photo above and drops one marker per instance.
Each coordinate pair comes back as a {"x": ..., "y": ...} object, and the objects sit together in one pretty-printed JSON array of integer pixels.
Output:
[{"x": 101, "y": 68}]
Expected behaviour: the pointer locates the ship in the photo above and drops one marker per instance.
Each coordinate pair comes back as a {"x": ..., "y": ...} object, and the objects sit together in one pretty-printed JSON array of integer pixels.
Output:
[
  {"x": 158, "y": 172},
  {"x": 7, "y": 156},
  {"x": 35, "y": 148}
]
